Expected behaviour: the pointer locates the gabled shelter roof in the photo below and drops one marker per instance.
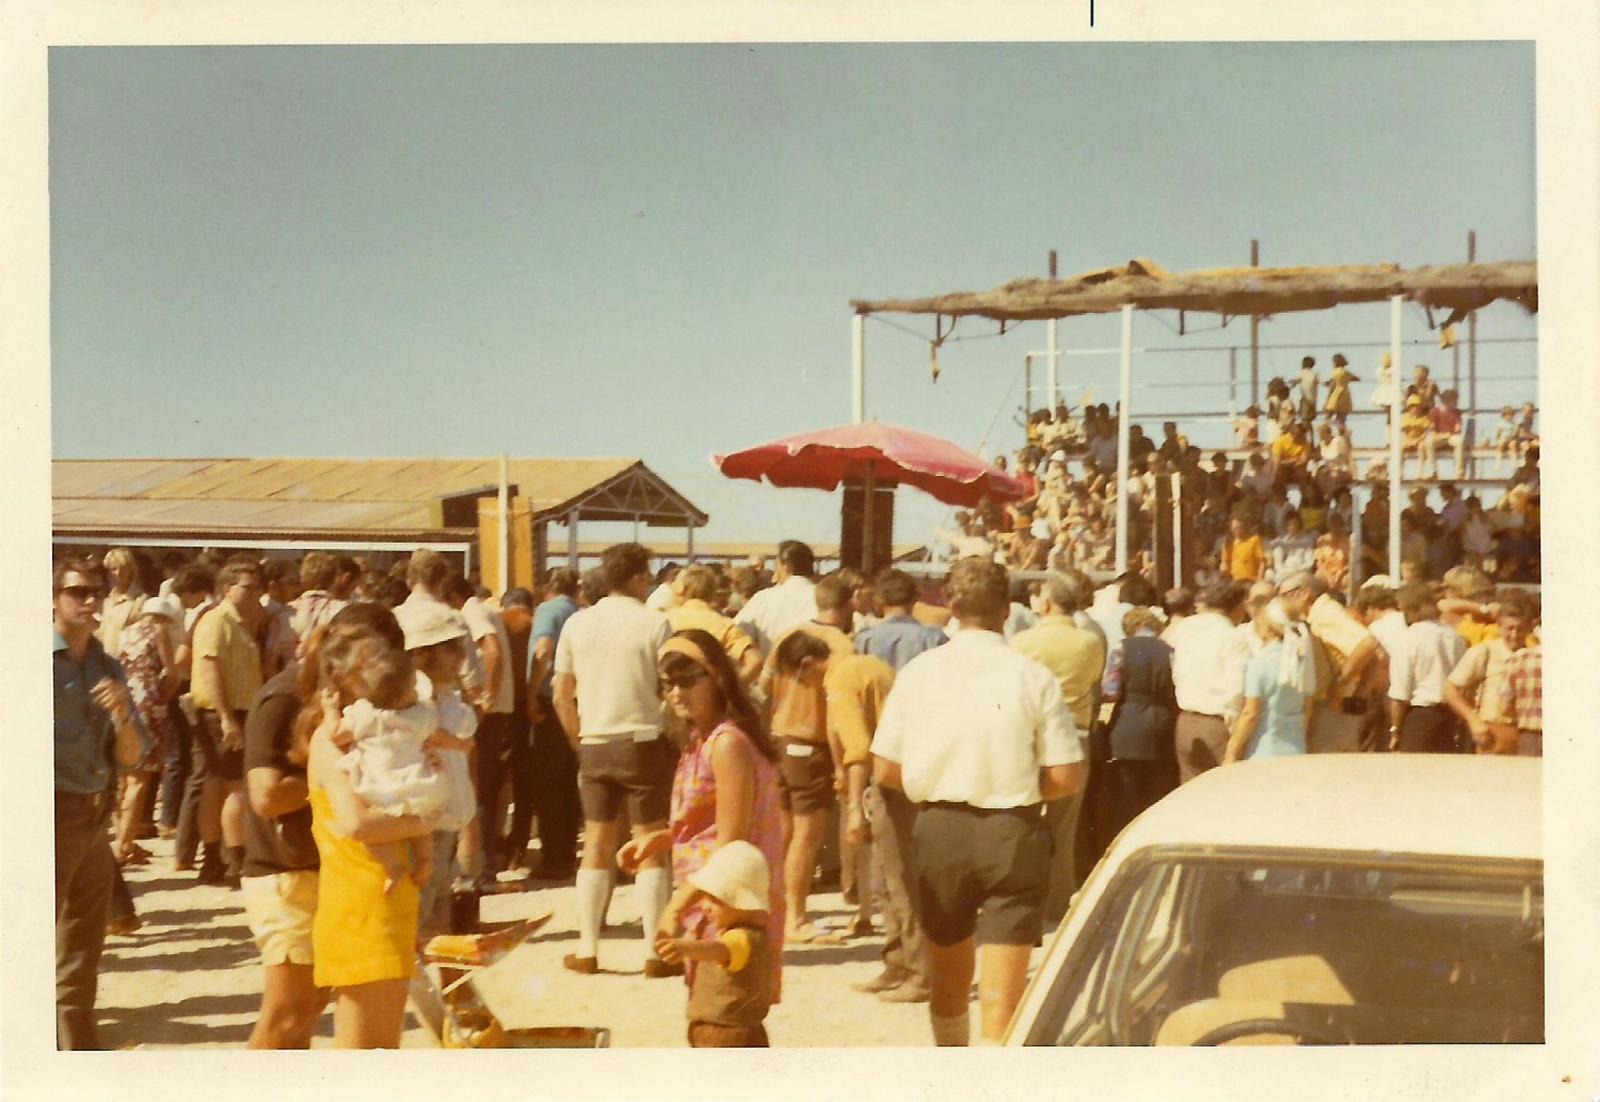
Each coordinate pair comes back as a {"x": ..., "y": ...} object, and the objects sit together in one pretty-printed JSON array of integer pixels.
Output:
[
  {"x": 1236, "y": 292},
  {"x": 390, "y": 498}
]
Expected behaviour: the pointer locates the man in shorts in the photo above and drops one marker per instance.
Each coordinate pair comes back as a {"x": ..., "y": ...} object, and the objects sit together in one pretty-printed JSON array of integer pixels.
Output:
[
  {"x": 605, "y": 696},
  {"x": 805, "y": 765},
  {"x": 225, "y": 678},
  {"x": 979, "y": 737}
]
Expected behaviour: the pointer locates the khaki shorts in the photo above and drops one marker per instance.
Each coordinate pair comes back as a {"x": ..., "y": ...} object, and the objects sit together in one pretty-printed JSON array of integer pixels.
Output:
[{"x": 279, "y": 909}]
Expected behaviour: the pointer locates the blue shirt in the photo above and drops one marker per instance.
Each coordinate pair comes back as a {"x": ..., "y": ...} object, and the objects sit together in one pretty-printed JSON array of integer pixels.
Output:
[
  {"x": 85, "y": 756},
  {"x": 1281, "y": 730},
  {"x": 548, "y": 620},
  {"x": 898, "y": 639}
]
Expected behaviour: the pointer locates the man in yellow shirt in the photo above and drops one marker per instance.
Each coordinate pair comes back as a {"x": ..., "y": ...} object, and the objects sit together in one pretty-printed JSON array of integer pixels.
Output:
[
  {"x": 1290, "y": 453},
  {"x": 1078, "y": 659},
  {"x": 805, "y": 765},
  {"x": 224, "y": 679},
  {"x": 697, "y": 588},
  {"x": 1245, "y": 556}
]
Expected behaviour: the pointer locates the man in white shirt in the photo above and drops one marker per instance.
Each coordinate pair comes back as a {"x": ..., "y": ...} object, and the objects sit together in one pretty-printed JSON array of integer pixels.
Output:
[
  {"x": 606, "y": 698},
  {"x": 1208, "y": 665},
  {"x": 787, "y": 603},
  {"x": 496, "y": 730},
  {"x": 1376, "y": 606},
  {"x": 1420, "y": 720},
  {"x": 979, "y": 736}
]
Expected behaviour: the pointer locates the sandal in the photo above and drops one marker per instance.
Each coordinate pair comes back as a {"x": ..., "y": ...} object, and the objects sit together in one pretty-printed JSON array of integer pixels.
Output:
[{"x": 813, "y": 935}]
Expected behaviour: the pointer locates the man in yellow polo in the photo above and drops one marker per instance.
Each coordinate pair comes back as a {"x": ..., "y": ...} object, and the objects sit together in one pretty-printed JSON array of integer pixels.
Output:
[{"x": 224, "y": 679}]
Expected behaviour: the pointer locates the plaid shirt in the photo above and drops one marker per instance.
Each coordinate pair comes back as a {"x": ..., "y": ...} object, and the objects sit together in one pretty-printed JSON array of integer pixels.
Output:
[{"x": 1523, "y": 693}]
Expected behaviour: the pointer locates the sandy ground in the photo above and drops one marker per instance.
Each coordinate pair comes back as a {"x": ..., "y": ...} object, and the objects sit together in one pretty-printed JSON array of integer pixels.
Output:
[{"x": 190, "y": 976}]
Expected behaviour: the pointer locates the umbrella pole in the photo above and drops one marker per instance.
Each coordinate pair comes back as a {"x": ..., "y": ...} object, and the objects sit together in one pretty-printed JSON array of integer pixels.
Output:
[{"x": 868, "y": 516}]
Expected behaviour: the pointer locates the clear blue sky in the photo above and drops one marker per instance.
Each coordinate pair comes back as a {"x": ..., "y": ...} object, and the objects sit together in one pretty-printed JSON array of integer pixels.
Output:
[{"x": 649, "y": 250}]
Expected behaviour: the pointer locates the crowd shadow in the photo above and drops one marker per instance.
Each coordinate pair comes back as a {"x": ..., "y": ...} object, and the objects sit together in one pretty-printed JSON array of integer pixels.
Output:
[
  {"x": 162, "y": 1024},
  {"x": 857, "y": 953},
  {"x": 239, "y": 949}
]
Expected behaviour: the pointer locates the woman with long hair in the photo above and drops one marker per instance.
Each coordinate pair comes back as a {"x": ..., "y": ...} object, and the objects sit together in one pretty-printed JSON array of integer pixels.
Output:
[
  {"x": 363, "y": 936},
  {"x": 280, "y": 857},
  {"x": 726, "y": 785}
]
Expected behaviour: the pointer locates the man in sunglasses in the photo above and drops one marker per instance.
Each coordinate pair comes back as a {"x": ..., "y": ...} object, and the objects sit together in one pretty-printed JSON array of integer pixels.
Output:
[{"x": 97, "y": 729}]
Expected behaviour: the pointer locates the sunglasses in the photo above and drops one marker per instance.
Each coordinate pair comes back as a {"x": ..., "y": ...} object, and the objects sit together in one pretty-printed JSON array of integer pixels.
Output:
[
  {"x": 682, "y": 681},
  {"x": 82, "y": 592}
]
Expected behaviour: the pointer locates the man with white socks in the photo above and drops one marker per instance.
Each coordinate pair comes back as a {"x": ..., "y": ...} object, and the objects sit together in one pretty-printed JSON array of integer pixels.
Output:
[{"x": 605, "y": 696}]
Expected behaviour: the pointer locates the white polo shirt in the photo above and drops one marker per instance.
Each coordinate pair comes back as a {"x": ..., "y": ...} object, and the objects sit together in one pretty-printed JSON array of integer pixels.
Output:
[
  {"x": 481, "y": 621},
  {"x": 1428, "y": 652},
  {"x": 1209, "y": 656},
  {"x": 973, "y": 722},
  {"x": 611, "y": 649},
  {"x": 767, "y": 615}
]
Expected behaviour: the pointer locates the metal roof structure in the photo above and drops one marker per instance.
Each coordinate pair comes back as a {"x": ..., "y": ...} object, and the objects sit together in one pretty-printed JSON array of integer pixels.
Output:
[
  {"x": 360, "y": 500},
  {"x": 1236, "y": 292}
]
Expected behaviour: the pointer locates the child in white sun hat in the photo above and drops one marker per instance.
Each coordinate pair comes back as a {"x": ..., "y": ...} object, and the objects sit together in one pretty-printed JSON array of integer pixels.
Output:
[{"x": 730, "y": 975}]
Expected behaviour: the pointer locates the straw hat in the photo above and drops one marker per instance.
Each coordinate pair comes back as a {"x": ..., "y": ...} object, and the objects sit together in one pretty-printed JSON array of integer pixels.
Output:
[
  {"x": 428, "y": 622},
  {"x": 737, "y": 874}
]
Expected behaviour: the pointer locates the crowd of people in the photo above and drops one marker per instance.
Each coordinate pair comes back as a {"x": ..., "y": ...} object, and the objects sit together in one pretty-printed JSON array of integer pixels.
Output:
[
  {"x": 1289, "y": 479},
  {"x": 351, "y": 747}
]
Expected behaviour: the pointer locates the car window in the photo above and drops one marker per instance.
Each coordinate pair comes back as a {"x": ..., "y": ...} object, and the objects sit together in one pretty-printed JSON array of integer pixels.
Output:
[
  {"x": 1074, "y": 1010},
  {"x": 1332, "y": 949}
]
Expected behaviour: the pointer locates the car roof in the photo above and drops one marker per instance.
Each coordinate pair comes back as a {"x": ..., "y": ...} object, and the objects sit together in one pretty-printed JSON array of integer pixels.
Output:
[{"x": 1437, "y": 804}]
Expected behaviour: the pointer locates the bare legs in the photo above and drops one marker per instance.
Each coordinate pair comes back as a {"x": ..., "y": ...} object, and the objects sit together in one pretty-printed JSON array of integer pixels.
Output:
[
  {"x": 1005, "y": 974},
  {"x": 290, "y": 1007}
]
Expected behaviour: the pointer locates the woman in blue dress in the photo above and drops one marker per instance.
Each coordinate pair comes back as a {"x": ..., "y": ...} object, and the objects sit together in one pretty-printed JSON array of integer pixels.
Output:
[{"x": 1280, "y": 685}]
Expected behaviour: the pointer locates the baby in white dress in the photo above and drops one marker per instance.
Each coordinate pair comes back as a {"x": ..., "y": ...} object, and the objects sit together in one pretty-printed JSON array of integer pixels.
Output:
[{"x": 391, "y": 765}]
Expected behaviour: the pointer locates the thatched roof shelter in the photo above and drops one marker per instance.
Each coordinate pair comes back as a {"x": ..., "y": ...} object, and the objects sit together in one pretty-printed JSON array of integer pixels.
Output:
[{"x": 1236, "y": 292}]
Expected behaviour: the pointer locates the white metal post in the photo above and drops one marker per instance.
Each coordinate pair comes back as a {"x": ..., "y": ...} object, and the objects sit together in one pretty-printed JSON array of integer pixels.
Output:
[
  {"x": 1354, "y": 575},
  {"x": 1125, "y": 420},
  {"x": 1050, "y": 353},
  {"x": 1177, "y": 530},
  {"x": 858, "y": 372},
  {"x": 1396, "y": 455},
  {"x": 503, "y": 575}
]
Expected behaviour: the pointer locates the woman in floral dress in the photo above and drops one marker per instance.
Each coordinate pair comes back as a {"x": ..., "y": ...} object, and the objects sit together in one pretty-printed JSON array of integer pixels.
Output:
[
  {"x": 725, "y": 788},
  {"x": 146, "y": 652}
]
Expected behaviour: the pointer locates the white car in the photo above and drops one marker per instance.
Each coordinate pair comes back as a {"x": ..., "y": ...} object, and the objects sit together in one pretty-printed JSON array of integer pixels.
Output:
[{"x": 1324, "y": 899}]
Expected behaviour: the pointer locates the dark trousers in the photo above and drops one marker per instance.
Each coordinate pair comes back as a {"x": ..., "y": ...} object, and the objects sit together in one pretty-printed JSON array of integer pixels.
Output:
[
  {"x": 893, "y": 817},
  {"x": 494, "y": 739},
  {"x": 204, "y": 761},
  {"x": 554, "y": 766},
  {"x": 85, "y": 877},
  {"x": 174, "y": 767},
  {"x": 1132, "y": 786},
  {"x": 1430, "y": 730},
  {"x": 522, "y": 785}
]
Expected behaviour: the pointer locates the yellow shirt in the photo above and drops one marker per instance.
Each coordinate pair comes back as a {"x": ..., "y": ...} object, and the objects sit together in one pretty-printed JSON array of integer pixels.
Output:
[
  {"x": 1075, "y": 656},
  {"x": 221, "y": 635},
  {"x": 694, "y": 613},
  {"x": 1289, "y": 451},
  {"x": 797, "y": 712},
  {"x": 856, "y": 687},
  {"x": 1247, "y": 559}
]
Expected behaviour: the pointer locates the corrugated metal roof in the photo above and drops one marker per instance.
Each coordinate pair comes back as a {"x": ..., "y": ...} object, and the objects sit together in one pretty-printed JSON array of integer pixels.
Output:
[{"x": 348, "y": 495}]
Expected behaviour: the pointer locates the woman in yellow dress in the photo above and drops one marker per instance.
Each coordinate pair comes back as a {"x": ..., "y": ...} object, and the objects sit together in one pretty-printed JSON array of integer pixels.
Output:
[{"x": 363, "y": 937}]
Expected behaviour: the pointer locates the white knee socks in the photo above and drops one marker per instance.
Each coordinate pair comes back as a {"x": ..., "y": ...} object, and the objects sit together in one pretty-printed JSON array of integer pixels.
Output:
[
  {"x": 594, "y": 893},
  {"x": 954, "y": 1031},
  {"x": 655, "y": 889}
]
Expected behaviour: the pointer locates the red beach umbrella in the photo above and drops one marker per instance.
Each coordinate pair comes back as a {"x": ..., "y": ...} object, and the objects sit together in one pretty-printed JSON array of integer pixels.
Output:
[{"x": 822, "y": 460}]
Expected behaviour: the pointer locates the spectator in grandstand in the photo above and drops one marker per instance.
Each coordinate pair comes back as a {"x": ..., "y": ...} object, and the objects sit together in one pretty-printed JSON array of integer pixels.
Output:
[
  {"x": 1243, "y": 555},
  {"x": 1337, "y": 405},
  {"x": 1444, "y": 427},
  {"x": 1293, "y": 551}
]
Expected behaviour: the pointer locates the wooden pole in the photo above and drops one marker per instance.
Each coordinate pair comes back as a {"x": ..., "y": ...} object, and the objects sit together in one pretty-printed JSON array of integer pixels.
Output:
[
  {"x": 1396, "y": 455},
  {"x": 1255, "y": 334},
  {"x": 1471, "y": 440}
]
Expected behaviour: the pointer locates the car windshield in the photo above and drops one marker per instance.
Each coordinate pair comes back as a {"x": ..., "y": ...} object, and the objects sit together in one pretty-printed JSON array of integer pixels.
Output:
[{"x": 1320, "y": 951}]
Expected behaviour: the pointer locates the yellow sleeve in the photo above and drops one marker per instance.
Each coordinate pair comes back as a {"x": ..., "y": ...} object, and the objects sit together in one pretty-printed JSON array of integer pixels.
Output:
[
  {"x": 208, "y": 635},
  {"x": 847, "y": 713},
  {"x": 738, "y": 942}
]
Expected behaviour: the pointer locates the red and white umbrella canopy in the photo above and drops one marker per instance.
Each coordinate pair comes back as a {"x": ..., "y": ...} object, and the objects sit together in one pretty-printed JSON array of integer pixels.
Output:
[{"x": 822, "y": 460}]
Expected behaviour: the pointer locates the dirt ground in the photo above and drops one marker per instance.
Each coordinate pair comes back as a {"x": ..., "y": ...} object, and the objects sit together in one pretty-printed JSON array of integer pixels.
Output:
[{"x": 190, "y": 976}]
